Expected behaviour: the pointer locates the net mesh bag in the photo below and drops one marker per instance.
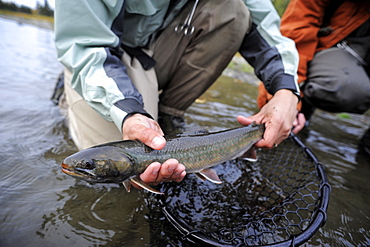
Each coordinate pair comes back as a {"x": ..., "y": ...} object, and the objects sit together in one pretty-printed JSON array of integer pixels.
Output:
[{"x": 280, "y": 200}]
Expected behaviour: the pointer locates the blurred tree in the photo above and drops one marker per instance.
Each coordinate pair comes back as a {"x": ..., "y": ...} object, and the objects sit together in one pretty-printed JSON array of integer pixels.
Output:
[
  {"x": 25, "y": 9},
  {"x": 44, "y": 9},
  {"x": 13, "y": 7},
  {"x": 8, "y": 6}
]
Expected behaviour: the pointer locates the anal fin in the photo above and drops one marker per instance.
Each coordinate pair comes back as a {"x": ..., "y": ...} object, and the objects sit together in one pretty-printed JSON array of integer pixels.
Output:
[
  {"x": 127, "y": 185},
  {"x": 140, "y": 183},
  {"x": 250, "y": 155},
  {"x": 209, "y": 174}
]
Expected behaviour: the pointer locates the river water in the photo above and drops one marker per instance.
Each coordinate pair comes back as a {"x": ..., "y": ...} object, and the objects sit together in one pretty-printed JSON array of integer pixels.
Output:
[{"x": 41, "y": 206}]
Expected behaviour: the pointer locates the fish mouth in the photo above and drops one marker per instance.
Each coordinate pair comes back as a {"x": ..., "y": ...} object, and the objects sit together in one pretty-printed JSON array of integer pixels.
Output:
[
  {"x": 67, "y": 170},
  {"x": 75, "y": 173}
]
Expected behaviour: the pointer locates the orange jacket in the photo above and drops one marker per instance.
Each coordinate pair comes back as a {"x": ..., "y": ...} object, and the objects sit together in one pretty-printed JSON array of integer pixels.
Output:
[{"x": 301, "y": 22}]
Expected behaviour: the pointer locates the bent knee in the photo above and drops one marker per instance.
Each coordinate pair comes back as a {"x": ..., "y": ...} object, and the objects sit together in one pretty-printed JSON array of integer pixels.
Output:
[
  {"x": 343, "y": 98},
  {"x": 233, "y": 15}
]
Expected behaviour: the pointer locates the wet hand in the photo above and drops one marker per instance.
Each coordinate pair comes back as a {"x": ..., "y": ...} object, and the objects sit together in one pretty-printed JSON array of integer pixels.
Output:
[
  {"x": 170, "y": 170},
  {"x": 148, "y": 131},
  {"x": 278, "y": 116}
]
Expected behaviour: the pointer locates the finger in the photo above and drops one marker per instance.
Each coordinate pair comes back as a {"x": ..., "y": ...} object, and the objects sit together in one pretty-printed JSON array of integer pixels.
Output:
[
  {"x": 180, "y": 177},
  {"x": 299, "y": 123},
  {"x": 144, "y": 129},
  {"x": 247, "y": 120},
  {"x": 270, "y": 135},
  {"x": 267, "y": 142},
  {"x": 148, "y": 136},
  {"x": 150, "y": 174},
  {"x": 274, "y": 134},
  {"x": 167, "y": 170},
  {"x": 255, "y": 119},
  {"x": 179, "y": 173}
]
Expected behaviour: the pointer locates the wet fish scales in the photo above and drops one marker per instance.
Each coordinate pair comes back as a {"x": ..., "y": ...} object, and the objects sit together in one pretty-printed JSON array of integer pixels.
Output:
[{"x": 123, "y": 160}]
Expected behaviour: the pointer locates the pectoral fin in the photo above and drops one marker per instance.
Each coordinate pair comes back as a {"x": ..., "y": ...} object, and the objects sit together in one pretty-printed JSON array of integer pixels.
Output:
[
  {"x": 210, "y": 175},
  {"x": 250, "y": 155},
  {"x": 127, "y": 185},
  {"x": 140, "y": 183}
]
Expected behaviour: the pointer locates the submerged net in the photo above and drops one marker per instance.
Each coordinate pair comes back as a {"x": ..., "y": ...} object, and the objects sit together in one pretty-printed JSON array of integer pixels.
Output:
[{"x": 280, "y": 200}]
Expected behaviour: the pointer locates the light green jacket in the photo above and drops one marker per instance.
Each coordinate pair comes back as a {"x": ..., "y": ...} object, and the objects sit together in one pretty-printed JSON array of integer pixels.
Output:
[{"x": 89, "y": 33}]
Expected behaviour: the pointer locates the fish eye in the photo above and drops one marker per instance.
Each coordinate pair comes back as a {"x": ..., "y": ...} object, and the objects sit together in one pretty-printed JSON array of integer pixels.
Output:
[{"x": 89, "y": 164}]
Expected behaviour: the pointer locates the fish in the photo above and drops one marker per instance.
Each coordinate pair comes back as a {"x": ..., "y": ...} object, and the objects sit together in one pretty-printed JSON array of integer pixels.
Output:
[{"x": 124, "y": 161}]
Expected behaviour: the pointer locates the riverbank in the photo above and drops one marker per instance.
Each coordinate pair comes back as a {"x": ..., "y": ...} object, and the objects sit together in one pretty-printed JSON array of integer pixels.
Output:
[{"x": 45, "y": 22}]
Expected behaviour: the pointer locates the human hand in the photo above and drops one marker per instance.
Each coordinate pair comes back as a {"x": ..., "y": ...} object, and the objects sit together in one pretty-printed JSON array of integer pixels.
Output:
[
  {"x": 150, "y": 133},
  {"x": 299, "y": 123},
  {"x": 278, "y": 116},
  {"x": 170, "y": 170}
]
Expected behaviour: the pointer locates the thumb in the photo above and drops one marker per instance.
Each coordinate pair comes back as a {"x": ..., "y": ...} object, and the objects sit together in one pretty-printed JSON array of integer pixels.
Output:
[
  {"x": 150, "y": 137},
  {"x": 144, "y": 129}
]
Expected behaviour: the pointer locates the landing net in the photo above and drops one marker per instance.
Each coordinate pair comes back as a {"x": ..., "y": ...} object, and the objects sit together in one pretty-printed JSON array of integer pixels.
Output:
[{"x": 281, "y": 200}]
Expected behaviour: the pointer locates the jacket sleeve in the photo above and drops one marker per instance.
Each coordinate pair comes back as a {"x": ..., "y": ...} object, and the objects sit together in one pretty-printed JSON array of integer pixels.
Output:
[
  {"x": 273, "y": 56},
  {"x": 87, "y": 38},
  {"x": 301, "y": 22}
]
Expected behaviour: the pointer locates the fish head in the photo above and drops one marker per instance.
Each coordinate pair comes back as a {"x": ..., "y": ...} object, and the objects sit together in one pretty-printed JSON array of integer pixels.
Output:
[{"x": 99, "y": 165}]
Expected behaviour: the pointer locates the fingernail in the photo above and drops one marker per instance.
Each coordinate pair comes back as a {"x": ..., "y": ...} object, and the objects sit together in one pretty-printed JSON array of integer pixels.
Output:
[
  {"x": 155, "y": 170},
  {"x": 157, "y": 141},
  {"x": 170, "y": 169}
]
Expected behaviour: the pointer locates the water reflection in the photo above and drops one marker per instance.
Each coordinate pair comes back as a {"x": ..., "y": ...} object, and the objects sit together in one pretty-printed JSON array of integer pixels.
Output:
[
  {"x": 222, "y": 103},
  {"x": 98, "y": 215}
]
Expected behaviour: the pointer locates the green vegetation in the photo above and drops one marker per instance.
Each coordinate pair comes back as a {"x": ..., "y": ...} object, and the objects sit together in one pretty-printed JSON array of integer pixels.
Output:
[
  {"x": 43, "y": 10},
  {"x": 239, "y": 64},
  {"x": 49, "y": 19},
  {"x": 42, "y": 16},
  {"x": 344, "y": 116}
]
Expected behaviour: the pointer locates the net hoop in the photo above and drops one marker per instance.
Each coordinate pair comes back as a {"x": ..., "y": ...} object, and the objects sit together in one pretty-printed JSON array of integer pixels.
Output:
[{"x": 318, "y": 217}]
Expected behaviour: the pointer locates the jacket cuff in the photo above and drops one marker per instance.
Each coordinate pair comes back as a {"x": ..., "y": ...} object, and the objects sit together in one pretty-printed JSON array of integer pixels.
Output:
[
  {"x": 125, "y": 108},
  {"x": 284, "y": 81}
]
